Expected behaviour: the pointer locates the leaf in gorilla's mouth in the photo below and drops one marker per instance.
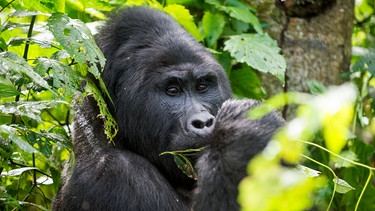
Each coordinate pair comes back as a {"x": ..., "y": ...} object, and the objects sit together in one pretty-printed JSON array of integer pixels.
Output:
[{"x": 182, "y": 160}]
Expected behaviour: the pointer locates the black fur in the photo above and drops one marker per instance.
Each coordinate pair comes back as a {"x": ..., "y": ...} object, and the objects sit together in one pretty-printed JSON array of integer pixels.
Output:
[
  {"x": 235, "y": 140},
  {"x": 166, "y": 90}
]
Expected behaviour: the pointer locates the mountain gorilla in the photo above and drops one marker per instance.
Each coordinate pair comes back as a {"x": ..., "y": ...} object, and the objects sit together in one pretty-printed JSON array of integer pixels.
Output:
[{"x": 166, "y": 90}]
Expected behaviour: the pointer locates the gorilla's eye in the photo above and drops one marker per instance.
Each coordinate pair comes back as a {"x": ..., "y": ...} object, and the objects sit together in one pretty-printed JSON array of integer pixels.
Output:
[
  {"x": 172, "y": 91},
  {"x": 202, "y": 87}
]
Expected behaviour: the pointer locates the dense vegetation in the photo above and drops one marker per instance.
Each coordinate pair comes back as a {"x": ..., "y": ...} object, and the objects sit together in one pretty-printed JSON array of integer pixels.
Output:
[{"x": 47, "y": 48}]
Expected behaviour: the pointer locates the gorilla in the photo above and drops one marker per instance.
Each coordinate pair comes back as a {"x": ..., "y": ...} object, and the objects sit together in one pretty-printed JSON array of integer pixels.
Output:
[{"x": 168, "y": 94}]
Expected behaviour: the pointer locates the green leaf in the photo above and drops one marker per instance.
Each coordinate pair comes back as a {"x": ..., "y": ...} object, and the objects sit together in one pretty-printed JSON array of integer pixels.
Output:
[
  {"x": 342, "y": 186},
  {"x": 213, "y": 25},
  {"x": 183, "y": 162},
  {"x": 241, "y": 13},
  {"x": 366, "y": 62},
  {"x": 17, "y": 172},
  {"x": 185, "y": 165},
  {"x": 183, "y": 17},
  {"x": 3, "y": 44},
  {"x": 30, "y": 109},
  {"x": 38, "y": 5},
  {"x": 64, "y": 77},
  {"x": 23, "y": 13},
  {"x": 246, "y": 16},
  {"x": 22, "y": 144},
  {"x": 12, "y": 64},
  {"x": 17, "y": 41},
  {"x": 7, "y": 90},
  {"x": 258, "y": 51},
  {"x": 348, "y": 154},
  {"x": 111, "y": 127},
  {"x": 8, "y": 132},
  {"x": 316, "y": 87},
  {"x": 245, "y": 83},
  {"x": 77, "y": 40},
  {"x": 308, "y": 171}
]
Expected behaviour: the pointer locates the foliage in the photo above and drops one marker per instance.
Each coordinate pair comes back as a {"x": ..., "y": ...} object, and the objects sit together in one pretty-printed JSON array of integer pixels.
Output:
[{"x": 47, "y": 50}]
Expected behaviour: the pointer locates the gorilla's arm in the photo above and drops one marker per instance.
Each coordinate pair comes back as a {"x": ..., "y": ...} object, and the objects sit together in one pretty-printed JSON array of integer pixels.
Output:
[
  {"x": 235, "y": 140},
  {"x": 108, "y": 178},
  {"x": 113, "y": 180}
]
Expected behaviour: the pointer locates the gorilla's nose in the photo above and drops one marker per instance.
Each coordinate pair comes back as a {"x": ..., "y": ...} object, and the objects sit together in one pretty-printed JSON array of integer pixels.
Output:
[{"x": 201, "y": 123}]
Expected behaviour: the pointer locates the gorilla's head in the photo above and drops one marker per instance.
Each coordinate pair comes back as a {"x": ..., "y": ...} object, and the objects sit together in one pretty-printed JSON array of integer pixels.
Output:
[{"x": 165, "y": 86}]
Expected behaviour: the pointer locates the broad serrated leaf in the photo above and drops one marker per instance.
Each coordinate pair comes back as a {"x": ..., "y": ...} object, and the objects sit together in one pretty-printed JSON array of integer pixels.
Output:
[
  {"x": 258, "y": 51},
  {"x": 12, "y": 64},
  {"x": 17, "y": 172},
  {"x": 183, "y": 17},
  {"x": 342, "y": 186},
  {"x": 7, "y": 90},
  {"x": 75, "y": 37},
  {"x": 213, "y": 25},
  {"x": 30, "y": 109}
]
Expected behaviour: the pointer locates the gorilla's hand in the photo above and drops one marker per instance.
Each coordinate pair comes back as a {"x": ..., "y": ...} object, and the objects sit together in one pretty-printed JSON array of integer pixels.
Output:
[{"x": 235, "y": 140}]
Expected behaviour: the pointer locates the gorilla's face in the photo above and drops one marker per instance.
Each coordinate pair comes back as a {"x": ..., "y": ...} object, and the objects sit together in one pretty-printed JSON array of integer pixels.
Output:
[{"x": 190, "y": 96}]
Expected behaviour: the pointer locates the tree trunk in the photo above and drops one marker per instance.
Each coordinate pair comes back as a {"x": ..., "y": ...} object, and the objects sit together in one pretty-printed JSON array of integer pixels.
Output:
[{"x": 315, "y": 38}]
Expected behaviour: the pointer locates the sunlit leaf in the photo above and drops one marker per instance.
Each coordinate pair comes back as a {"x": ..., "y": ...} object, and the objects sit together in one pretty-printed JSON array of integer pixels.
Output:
[
  {"x": 38, "y": 5},
  {"x": 342, "y": 186},
  {"x": 273, "y": 187},
  {"x": 308, "y": 171},
  {"x": 17, "y": 172},
  {"x": 183, "y": 17},
  {"x": 31, "y": 109},
  {"x": 44, "y": 180}
]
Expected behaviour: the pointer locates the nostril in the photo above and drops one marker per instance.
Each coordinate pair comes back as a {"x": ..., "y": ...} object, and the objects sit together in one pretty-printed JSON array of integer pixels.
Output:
[
  {"x": 198, "y": 124},
  {"x": 210, "y": 122}
]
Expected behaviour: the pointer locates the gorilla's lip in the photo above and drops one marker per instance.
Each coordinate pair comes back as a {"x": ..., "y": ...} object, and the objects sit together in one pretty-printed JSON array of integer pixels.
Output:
[{"x": 186, "y": 141}]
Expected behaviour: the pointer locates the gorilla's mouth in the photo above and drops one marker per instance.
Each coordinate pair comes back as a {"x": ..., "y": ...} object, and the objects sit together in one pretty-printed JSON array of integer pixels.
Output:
[{"x": 182, "y": 140}]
